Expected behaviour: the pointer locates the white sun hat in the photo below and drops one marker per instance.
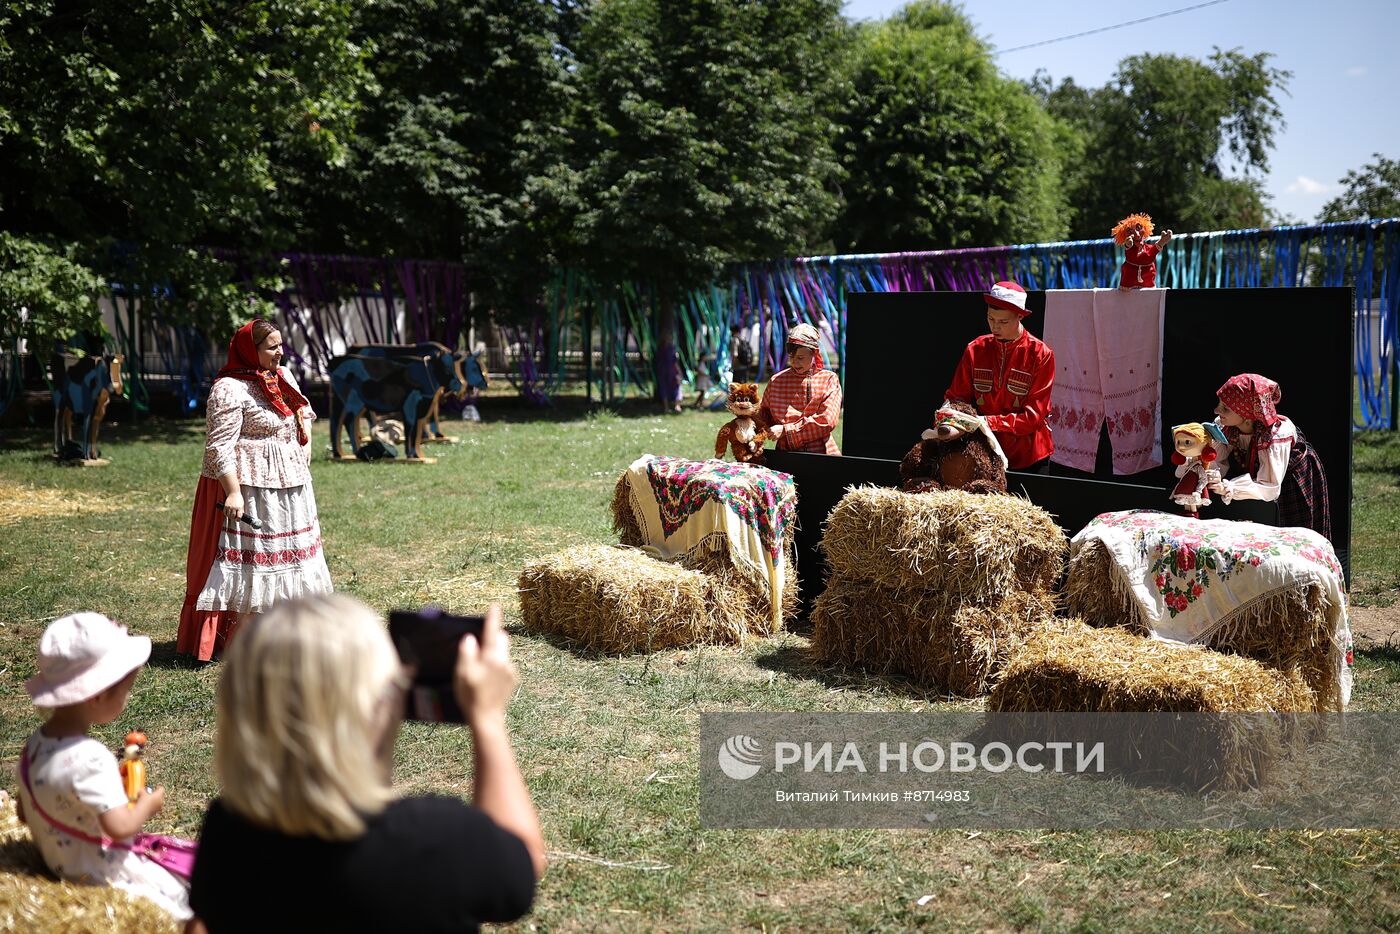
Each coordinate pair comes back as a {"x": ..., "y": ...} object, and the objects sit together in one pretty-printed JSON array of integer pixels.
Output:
[{"x": 80, "y": 656}]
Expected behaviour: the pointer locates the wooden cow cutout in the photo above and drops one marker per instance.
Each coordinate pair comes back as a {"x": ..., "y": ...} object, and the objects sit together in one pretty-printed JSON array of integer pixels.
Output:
[{"x": 82, "y": 387}]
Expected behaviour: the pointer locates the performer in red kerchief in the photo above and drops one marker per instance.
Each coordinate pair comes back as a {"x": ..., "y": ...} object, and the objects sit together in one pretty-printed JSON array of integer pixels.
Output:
[
  {"x": 1279, "y": 463},
  {"x": 1139, "y": 257},
  {"x": 256, "y": 465},
  {"x": 1007, "y": 375},
  {"x": 802, "y": 404}
]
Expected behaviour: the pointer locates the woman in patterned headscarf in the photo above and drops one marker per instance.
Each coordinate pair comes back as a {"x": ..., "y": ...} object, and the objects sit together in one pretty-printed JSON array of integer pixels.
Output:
[
  {"x": 1279, "y": 463},
  {"x": 802, "y": 404},
  {"x": 257, "y": 464}
]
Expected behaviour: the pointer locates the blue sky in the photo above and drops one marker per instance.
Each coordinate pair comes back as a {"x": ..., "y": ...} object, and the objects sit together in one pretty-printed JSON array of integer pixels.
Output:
[{"x": 1341, "y": 52}]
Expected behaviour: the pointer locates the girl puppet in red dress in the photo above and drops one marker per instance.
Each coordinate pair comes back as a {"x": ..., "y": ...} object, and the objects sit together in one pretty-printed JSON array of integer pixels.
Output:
[
  {"x": 1007, "y": 376},
  {"x": 1139, "y": 257}
]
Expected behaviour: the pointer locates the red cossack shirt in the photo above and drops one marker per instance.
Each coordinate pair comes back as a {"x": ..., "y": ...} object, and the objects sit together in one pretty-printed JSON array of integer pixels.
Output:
[{"x": 1009, "y": 382}]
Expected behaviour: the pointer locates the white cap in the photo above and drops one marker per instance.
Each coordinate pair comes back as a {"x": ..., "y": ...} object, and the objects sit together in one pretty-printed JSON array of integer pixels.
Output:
[{"x": 82, "y": 655}]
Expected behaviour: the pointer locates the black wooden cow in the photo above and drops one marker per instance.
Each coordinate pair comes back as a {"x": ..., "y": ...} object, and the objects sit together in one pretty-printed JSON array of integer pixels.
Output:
[
  {"x": 468, "y": 374},
  {"x": 408, "y": 387},
  {"x": 82, "y": 386}
]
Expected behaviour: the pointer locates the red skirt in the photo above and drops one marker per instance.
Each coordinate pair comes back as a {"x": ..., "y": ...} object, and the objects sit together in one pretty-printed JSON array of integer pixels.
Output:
[{"x": 203, "y": 633}]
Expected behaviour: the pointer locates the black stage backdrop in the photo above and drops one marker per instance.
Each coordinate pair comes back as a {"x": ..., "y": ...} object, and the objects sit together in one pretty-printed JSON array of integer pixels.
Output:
[{"x": 902, "y": 349}]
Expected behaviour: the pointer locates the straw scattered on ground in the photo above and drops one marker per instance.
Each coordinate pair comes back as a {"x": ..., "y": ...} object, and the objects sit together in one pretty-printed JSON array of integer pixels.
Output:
[
  {"x": 616, "y": 599},
  {"x": 19, "y": 503},
  {"x": 32, "y": 899},
  {"x": 1287, "y": 630},
  {"x": 979, "y": 546}
]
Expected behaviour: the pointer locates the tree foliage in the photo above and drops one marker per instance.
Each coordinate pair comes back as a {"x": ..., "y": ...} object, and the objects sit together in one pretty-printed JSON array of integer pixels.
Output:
[
  {"x": 704, "y": 136},
  {"x": 459, "y": 144},
  {"x": 45, "y": 296},
  {"x": 1371, "y": 192},
  {"x": 137, "y": 132},
  {"x": 941, "y": 150},
  {"x": 1162, "y": 136}
]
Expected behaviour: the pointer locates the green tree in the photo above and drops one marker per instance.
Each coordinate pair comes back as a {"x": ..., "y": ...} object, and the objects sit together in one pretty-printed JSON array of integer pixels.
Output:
[
  {"x": 135, "y": 132},
  {"x": 44, "y": 295},
  {"x": 459, "y": 145},
  {"x": 940, "y": 149},
  {"x": 1371, "y": 192},
  {"x": 1162, "y": 136},
  {"x": 703, "y": 137}
]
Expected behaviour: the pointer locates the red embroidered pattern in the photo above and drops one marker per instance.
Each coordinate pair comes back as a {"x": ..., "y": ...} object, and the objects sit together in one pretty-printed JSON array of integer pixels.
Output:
[
  {"x": 272, "y": 558},
  {"x": 265, "y": 536}
]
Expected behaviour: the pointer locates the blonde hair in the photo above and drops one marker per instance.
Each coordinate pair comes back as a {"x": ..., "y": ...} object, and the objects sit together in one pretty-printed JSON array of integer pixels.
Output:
[
  {"x": 304, "y": 703},
  {"x": 1195, "y": 429}
]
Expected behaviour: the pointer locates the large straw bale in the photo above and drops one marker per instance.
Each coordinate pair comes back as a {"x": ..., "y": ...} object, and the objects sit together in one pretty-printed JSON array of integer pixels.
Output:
[
  {"x": 1234, "y": 738},
  {"x": 940, "y": 639},
  {"x": 1288, "y": 630},
  {"x": 32, "y": 899},
  {"x": 979, "y": 546},
  {"x": 1072, "y": 667},
  {"x": 618, "y": 599},
  {"x": 742, "y": 583}
]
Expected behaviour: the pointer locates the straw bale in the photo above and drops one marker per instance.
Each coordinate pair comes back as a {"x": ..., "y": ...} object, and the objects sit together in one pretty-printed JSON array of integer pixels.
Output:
[
  {"x": 1288, "y": 630},
  {"x": 979, "y": 546},
  {"x": 31, "y": 899},
  {"x": 617, "y": 599},
  {"x": 940, "y": 639},
  {"x": 715, "y": 561},
  {"x": 1069, "y": 667}
]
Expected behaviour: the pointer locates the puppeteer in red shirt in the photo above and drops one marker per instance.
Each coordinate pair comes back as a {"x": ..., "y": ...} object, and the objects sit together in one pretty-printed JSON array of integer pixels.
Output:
[{"x": 1009, "y": 382}]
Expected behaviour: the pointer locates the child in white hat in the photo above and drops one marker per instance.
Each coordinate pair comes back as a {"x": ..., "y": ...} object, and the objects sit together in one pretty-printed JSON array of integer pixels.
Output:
[{"x": 71, "y": 792}]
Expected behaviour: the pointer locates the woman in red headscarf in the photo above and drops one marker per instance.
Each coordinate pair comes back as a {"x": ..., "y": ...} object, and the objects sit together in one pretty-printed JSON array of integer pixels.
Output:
[
  {"x": 1279, "y": 463},
  {"x": 257, "y": 467}
]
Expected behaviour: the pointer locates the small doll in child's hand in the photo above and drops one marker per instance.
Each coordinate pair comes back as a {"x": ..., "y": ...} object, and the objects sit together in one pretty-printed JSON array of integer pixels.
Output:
[
  {"x": 1195, "y": 455},
  {"x": 133, "y": 767}
]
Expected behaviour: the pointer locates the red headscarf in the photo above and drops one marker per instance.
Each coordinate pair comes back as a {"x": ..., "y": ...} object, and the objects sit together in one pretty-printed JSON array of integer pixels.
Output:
[
  {"x": 1253, "y": 397},
  {"x": 805, "y": 335},
  {"x": 243, "y": 364}
]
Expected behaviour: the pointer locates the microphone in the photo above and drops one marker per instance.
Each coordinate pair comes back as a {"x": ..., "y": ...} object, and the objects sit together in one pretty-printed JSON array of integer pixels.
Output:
[{"x": 245, "y": 518}]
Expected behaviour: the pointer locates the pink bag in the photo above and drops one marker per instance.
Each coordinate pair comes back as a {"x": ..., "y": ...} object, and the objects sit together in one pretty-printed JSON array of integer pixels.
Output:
[{"x": 173, "y": 854}]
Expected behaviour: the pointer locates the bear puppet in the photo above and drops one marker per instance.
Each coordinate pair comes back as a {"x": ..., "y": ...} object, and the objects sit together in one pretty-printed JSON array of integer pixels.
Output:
[
  {"x": 741, "y": 434},
  {"x": 958, "y": 453}
]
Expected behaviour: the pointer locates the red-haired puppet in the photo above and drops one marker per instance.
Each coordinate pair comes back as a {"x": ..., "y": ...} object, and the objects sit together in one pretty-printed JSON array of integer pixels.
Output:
[{"x": 1139, "y": 257}]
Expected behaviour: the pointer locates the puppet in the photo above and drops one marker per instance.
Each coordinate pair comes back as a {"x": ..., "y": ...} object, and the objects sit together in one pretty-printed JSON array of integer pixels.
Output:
[
  {"x": 132, "y": 768},
  {"x": 1194, "y": 454},
  {"x": 741, "y": 434},
  {"x": 1139, "y": 256},
  {"x": 958, "y": 453}
]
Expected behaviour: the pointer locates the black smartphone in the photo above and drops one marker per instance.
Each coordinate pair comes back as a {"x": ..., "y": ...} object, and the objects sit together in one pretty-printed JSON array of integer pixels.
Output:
[{"x": 427, "y": 641}]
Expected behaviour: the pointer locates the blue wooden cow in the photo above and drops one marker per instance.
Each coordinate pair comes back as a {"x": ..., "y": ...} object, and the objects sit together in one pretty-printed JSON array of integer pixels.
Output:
[
  {"x": 82, "y": 386},
  {"x": 408, "y": 387},
  {"x": 466, "y": 374}
]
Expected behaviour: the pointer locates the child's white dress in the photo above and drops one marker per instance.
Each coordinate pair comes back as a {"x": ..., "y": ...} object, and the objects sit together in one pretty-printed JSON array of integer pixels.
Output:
[{"x": 75, "y": 779}]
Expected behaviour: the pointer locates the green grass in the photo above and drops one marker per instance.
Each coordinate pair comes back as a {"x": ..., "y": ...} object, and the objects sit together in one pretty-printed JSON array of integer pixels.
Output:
[{"x": 608, "y": 745}]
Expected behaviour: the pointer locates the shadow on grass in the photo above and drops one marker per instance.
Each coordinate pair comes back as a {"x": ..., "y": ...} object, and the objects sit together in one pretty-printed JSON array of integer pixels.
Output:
[
  {"x": 799, "y": 662},
  {"x": 1387, "y": 655},
  {"x": 164, "y": 655},
  {"x": 578, "y": 649},
  {"x": 146, "y": 430},
  {"x": 516, "y": 409}
]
